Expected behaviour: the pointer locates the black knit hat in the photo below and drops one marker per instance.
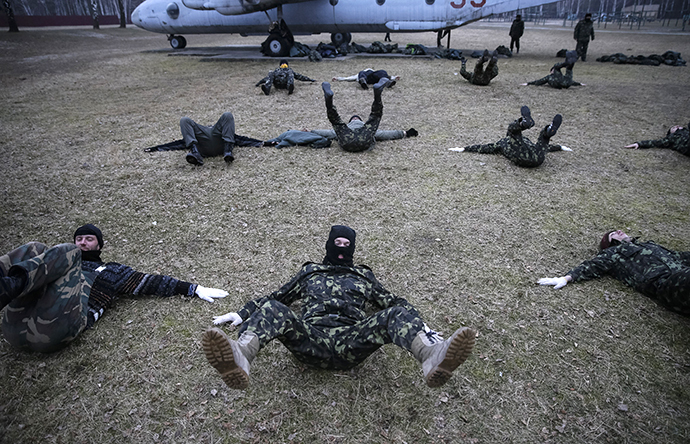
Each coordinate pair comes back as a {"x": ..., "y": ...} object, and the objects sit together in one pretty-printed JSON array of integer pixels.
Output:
[{"x": 90, "y": 229}]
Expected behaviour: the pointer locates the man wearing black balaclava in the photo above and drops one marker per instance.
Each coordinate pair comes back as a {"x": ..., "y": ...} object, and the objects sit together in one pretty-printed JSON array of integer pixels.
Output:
[
  {"x": 56, "y": 293},
  {"x": 333, "y": 331}
]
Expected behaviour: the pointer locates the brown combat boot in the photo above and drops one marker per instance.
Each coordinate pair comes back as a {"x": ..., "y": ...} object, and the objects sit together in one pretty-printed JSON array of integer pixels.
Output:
[
  {"x": 231, "y": 358},
  {"x": 439, "y": 358}
]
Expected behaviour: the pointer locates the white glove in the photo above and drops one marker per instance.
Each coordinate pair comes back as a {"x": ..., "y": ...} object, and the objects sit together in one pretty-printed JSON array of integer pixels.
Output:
[
  {"x": 457, "y": 149},
  {"x": 565, "y": 148},
  {"x": 209, "y": 294},
  {"x": 557, "y": 282},
  {"x": 228, "y": 317}
]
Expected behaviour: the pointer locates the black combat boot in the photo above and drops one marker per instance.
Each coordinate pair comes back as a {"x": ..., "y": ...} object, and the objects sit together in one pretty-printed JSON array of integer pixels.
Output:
[
  {"x": 265, "y": 88},
  {"x": 363, "y": 83},
  {"x": 550, "y": 130},
  {"x": 327, "y": 93},
  {"x": 378, "y": 88},
  {"x": 291, "y": 88},
  {"x": 193, "y": 156},
  {"x": 227, "y": 152},
  {"x": 526, "y": 122}
]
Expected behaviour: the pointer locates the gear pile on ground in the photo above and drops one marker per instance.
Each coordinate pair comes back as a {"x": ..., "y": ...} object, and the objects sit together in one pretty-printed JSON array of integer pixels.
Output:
[{"x": 670, "y": 58}]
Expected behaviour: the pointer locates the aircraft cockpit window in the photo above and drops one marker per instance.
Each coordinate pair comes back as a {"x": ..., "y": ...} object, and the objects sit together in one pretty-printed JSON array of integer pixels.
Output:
[
  {"x": 430, "y": 2},
  {"x": 173, "y": 10},
  {"x": 380, "y": 2},
  {"x": 333, "y": 2}
]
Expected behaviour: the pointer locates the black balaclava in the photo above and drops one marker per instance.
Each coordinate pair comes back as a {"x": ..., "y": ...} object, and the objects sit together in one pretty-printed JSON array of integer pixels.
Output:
[
  {"x": 95, "y": 255},
  {"x": 332, "y": 251}
]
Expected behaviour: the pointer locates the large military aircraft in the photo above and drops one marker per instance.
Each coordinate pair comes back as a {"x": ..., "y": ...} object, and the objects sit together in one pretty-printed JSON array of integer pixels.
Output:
[{"x": 338, "y": 17}]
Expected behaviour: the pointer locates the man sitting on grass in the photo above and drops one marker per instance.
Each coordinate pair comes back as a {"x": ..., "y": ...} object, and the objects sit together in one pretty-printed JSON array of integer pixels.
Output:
[{"x": 333, "y": 331}]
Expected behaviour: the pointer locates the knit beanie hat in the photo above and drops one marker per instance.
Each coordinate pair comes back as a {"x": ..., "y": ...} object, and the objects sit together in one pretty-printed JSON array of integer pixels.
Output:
[{"x": 90, "y": 229}]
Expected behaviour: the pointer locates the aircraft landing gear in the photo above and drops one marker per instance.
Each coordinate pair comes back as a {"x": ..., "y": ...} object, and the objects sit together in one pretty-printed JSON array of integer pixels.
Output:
[
  {"x": 279, "y": 41},
  {"x": 338, "y": 38},
  {"x": 177, "y": 41}
]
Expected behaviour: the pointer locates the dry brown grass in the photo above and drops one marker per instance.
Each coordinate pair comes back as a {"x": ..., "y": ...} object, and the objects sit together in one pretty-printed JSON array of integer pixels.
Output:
[{"x": 462, "y": 236}]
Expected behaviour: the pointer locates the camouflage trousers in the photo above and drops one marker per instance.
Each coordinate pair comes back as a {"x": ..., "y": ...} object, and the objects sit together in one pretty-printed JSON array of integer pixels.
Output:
[
  {"x": 581, "y": 48},
  {"x": 52, "y": 309},
  {"x": 480, "y": 76},
  {"x": 673, "y": 291},
  {"x": 518, "y": 149},
  {"x": 332, "y": 347},
  {"x": 557, "y": 80},
  {"x": 359, "y": 139},
  {"x": 209, "y": 139}
]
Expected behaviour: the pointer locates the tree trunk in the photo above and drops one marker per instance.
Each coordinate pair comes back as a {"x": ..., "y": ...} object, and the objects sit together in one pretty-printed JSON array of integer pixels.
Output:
[
  {"x": 94, "y": 14},
  {"x": 10, "y": 16},
  {"x": 123, "y": 16}
]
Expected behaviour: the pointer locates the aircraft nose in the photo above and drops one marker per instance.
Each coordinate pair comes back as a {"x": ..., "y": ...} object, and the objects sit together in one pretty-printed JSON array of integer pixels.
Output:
[{"x": 135, "y": 15}]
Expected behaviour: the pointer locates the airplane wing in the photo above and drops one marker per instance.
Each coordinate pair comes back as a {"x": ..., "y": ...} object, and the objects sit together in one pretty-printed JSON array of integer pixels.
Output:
[{"x": 236, "y": 7}]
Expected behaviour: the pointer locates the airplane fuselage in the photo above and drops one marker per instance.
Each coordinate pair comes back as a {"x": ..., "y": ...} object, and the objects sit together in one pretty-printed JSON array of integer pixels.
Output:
[{"x": 318, "y": 16}]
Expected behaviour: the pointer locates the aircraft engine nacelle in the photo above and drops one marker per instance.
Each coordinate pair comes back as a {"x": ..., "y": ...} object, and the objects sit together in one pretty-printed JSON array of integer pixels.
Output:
[{"x": 236, "y": 7}]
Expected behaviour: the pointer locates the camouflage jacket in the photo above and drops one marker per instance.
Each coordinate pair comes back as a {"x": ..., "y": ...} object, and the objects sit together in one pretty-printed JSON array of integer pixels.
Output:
[
  {"x": 638, "y": 265},
  {"x": 678, "y": 141},
  {"x": 332, "y": 295},
  {"x": 281, "y": 76},
  {"x": 584, "y": 30}
]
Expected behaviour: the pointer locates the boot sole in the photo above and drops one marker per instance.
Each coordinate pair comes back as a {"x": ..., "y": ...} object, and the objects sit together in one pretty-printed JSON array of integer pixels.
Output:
[
  {"x": 220, "y": 354},
  {"x": 193, "y": 160},
  {"x": 458, "y": 351},
  {"x": 553, "y": 128}
]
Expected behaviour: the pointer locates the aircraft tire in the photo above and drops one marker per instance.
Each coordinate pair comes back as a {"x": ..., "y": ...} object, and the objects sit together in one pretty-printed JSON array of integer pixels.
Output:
[
  {"x": 338, "y": 38},
  {"x": 277, "y": 46},
  {"x": 178, "y": 42}
]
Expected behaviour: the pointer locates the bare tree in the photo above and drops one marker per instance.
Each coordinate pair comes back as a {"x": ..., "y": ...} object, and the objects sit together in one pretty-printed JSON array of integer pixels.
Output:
[
  {"x": 94, "y": 14},
  {"x": 10, "y": 16},
  {"x": 123, "y": 16}
]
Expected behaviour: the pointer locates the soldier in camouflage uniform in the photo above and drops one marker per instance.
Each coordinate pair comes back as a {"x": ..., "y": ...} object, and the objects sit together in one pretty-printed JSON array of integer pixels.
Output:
[
  {"x": 283, "y": 78},
  {"x": 356, "y": 135},
  {"x": 481, "y": 76},
  {"x": 333, "y": 330},
  {"x": 556, "y": 79},
  {"x": 649, "y": 268},
  {"x": 518, "y": 149},
  {"x": 53, "y": 294},
  {"x": 677, "y": 138},
  {"x": 583, "y": 31}
]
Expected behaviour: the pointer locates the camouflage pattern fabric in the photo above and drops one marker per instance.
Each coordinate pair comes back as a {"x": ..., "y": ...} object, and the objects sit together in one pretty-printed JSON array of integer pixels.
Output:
[
  {"x": 356, "y": 136},
  {"x": 677, "y": 141},
  {"x": 480, "y": 76},
  {"x": 659, "y": 273},
  {"x": 557, "y": 80},
  {"x": 209, "y": 139},
  {"x": 282, "y": 78},
  {"x": 52, "y": 309},
  {"x": 518, "y": 149},
  {"x": 333, "y": 330},
  {"x": 584, "y": 30}
]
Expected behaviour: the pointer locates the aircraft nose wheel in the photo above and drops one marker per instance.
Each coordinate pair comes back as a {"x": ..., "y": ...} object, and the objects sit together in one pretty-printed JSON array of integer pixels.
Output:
[
  {"x": 278, "y": 46},
  {"x": 177, "y": 41}
]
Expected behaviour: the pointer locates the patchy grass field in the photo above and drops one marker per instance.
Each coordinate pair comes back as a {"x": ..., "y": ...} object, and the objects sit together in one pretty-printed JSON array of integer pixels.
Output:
[{"x": 462, "y": 236}]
